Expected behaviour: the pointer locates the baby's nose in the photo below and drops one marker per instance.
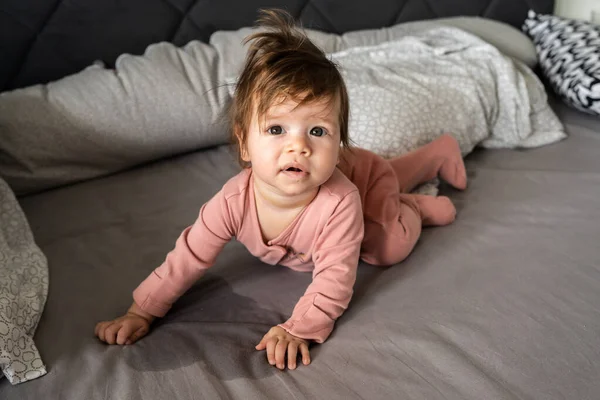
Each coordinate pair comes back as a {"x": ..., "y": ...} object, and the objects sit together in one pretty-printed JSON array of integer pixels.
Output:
[{"x": 299, "y": 144}]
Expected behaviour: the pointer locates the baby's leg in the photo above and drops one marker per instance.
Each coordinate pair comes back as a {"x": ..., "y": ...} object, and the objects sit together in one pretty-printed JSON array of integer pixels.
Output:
[
  {"x": 390, "y": 241},
  {"x": 435, "y": 211},
  {"x": 440, "y": 157}
]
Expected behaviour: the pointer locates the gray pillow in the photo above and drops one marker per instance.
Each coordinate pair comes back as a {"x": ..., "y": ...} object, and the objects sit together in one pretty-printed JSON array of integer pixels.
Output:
[
  {"x": 168, "y": 101},
  {"x": 504, "y": 37},
  {"x": 23, "y": 292},
  {"x": 101, "y": 120}
]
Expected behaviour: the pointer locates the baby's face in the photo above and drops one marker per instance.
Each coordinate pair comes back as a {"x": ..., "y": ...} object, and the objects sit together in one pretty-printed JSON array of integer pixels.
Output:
[{"x": 294, "y": 149}]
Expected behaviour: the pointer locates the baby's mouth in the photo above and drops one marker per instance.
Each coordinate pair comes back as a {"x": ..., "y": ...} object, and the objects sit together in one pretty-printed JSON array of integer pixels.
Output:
[
  {"x": 294, "y": 171},
  {"x": 293, "y": 167}
]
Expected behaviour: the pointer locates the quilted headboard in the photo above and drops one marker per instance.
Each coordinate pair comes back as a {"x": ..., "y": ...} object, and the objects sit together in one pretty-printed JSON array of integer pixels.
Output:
[{"x": 43, "y": 40}]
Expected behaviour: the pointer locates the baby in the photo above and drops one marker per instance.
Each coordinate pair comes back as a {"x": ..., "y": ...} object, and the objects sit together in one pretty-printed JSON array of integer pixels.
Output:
[{"x": 304, "y": 198}]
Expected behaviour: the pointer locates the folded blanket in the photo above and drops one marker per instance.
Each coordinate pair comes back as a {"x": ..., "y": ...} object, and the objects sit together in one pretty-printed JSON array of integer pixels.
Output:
[{"x": 23, "y": 292}]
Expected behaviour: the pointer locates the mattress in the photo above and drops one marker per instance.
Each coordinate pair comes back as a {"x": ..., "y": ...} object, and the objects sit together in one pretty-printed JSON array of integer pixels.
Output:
[{"x": 502, "y": 304}]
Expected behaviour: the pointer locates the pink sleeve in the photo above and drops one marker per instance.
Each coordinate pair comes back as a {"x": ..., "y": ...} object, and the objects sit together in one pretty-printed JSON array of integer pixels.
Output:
[
  {"x": 336, "y": 259},
  {"x": 195, "y": 251}
]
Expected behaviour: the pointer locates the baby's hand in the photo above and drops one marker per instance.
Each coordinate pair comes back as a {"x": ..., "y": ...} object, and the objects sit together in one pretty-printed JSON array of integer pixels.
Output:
[
  {"x": 126, "y": 329},
  {"x": 277, "y": 342}
]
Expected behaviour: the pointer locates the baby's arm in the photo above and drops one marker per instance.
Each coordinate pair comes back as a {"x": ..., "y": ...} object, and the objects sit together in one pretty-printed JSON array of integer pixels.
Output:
[
  {"x": 336, "y": 259},
  {"x": 195, "y": 251},
  {"x": 336, "y": 256}
]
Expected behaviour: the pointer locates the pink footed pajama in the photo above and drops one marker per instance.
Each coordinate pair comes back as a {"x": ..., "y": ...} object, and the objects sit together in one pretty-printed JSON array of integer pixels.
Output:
[{"x": 394, "y": 217}]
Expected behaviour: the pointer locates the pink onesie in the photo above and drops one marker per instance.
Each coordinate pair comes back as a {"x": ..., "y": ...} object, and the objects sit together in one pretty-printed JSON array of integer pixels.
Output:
[{"x": 325, "y": 239}]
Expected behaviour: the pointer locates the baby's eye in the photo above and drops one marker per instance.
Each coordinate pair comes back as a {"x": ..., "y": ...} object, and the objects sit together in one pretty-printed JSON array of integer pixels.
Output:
[
  {"x": 275, "y": 130},
  {"x": 317, "y": 131}
]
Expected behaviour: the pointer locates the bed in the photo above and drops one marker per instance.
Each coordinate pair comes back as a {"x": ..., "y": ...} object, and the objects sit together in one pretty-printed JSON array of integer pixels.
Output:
[{"x": 502, "y": 304}]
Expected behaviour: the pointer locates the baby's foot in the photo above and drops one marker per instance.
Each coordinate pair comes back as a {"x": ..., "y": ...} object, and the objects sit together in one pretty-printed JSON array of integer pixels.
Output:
[
  {"x": 436, "y": 211},
  {"x": 452, "y": 169}
]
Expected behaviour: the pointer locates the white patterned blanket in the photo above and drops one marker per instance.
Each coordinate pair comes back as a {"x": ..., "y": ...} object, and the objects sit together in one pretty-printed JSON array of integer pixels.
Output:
[{"x": 23, "y": 292}]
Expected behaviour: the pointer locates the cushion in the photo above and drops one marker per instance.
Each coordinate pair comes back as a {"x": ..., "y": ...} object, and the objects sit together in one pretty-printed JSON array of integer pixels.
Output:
[
  {"x": 101, "y": 120},
  {"x": 504, "y": 37},
  {"x": 23, "y": 292},
  {"x": 569, "y": 55}
]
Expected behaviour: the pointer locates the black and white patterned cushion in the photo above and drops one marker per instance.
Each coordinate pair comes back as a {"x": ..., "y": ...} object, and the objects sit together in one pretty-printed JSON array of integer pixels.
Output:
[{"x": 569, "y": 54}]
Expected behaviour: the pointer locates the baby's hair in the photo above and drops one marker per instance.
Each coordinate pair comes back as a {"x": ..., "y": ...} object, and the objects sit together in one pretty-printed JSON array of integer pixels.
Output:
[{"x": 283, "y": 64}]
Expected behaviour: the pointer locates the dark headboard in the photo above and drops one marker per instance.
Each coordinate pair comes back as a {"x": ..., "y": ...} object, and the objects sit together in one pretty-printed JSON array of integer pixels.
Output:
[{"x": 43, "y": 40}]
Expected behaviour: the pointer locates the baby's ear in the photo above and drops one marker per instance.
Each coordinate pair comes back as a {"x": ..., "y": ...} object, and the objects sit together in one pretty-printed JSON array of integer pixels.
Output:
[
  {"x": 244, "y": 154},
  {"x": 237, "y": 131}
]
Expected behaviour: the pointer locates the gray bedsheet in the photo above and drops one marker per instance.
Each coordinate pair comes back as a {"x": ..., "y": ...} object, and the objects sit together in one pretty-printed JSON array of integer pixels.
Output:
[{"x": 503, "y": 304}]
